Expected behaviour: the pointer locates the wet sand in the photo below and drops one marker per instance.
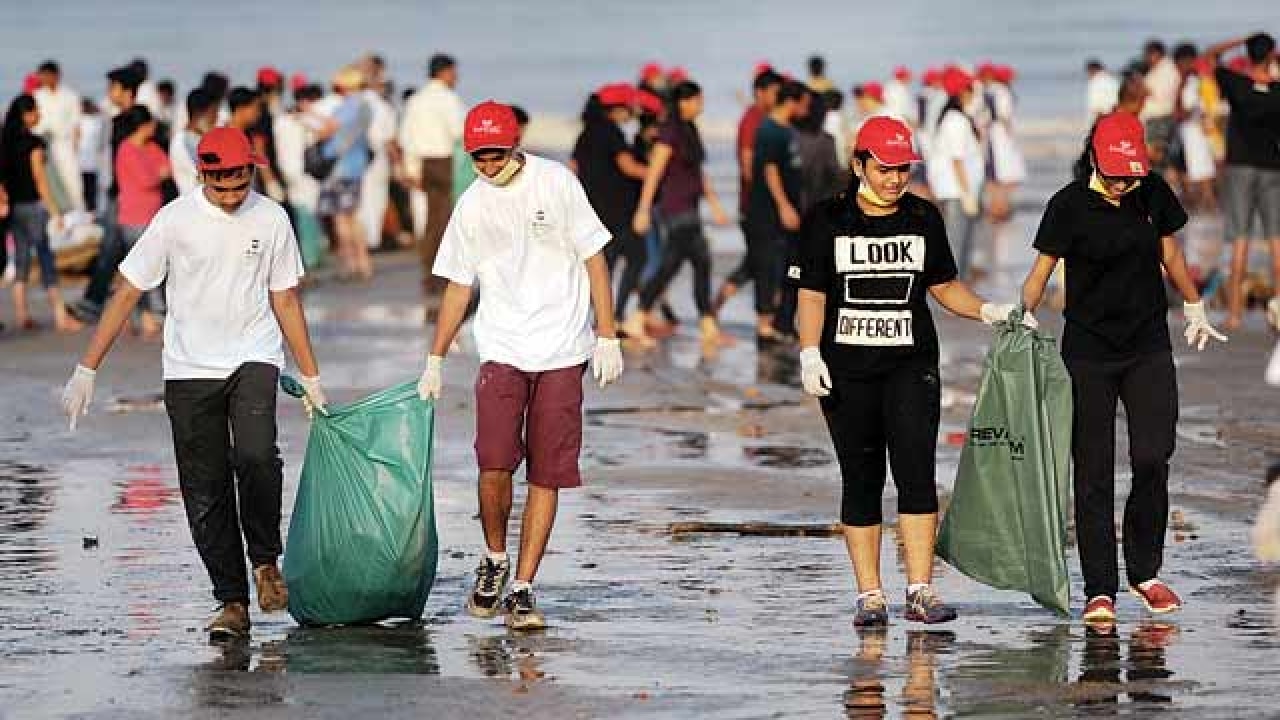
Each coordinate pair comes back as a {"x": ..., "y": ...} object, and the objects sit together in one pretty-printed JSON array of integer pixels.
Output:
[{"x": 645, "y": 623}]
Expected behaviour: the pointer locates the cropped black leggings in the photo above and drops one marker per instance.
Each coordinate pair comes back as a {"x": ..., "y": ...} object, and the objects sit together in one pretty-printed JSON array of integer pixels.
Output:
[{"x": 685, "y": 241}]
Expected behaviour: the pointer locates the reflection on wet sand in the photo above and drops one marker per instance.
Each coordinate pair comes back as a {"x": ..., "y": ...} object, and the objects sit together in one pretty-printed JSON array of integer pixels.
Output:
[
  {"x": 1105, "y": 675},
  {"x": 403, "y": 649},
  {"x": 865, "y": 697}
]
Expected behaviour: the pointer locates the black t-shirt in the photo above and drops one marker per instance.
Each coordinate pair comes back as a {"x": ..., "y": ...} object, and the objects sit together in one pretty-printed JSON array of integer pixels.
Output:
[
  {"x": 875, "y": 272},
  {"x": 17, "y": 176},
  {"x": 121, "y": 129},
  {"x": 1116, "y": 303},
  {"x": 1253, "y": 127},
  {"x": 612, "y": 194},
  {"x": 775, "y": 144}
]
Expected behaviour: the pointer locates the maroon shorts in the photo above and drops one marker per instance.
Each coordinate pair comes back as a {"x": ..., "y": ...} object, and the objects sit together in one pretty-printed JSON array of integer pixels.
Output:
[{"x": 537, "y": 415}]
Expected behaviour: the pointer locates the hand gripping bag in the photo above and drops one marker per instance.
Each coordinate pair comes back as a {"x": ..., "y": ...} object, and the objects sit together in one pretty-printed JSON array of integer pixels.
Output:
[
  {"x": 362, "y": 543},
  {"x": 1006, "y": 525}
]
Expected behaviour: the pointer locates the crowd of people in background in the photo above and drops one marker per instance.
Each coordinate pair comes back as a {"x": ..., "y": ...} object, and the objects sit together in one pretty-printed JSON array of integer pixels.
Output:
[{"x": 361, "y": 168}]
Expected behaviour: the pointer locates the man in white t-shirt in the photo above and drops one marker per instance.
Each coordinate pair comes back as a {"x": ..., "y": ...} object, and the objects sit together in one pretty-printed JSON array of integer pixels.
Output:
[
  {"x": 232, "y": 267},
  {"x": 528, "y": 236},
  {"x": 202, "y": 113},
  {"x": 1102, "y": 91},
  {"x": 1163, "y": 83}
]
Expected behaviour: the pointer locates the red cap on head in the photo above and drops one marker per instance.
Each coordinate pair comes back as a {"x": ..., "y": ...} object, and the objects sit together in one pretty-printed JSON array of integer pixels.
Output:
[
  {"x": 763, "y": 66},
  {"x": 298, "y": 81},
  {"x": 1240, "y": 65},
  {"x": 956, "y": 81},
  {"x": 617, "y": 94},
  {"x": 1120, "y": 146},
  {"x": 677, "y": 74},
  {"x": 888, "y": 139},
  {"x": 650, "y": 103},
  {"x": 902, "y": 73},
  {"x": 1004, "y": 74},
  {"x": 651, "y": 71},
  {"x": 986, "y": 70},
  {"x": 30, "y": 83},
  {"x": 268, "y": 75},
  {"x": 874, "y": 90},
  {"x": 490, "y": 125},
  {"x": 225, "y": 148},
  {"x": 932, "y": 76}
]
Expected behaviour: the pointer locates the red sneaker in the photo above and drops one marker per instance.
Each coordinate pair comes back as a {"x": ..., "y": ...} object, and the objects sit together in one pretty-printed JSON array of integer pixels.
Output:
[
  {"x": 1100, "y": 609},
  {"x": 1158, "y": 597}
]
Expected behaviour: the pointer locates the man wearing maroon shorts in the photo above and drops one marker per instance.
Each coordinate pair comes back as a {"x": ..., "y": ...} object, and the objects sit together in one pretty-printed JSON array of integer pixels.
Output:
[{"x": 526, "y": 233}]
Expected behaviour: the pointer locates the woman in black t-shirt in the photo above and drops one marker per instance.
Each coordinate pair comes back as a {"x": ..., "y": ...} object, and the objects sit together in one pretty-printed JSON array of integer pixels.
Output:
[
  {"x": 1113, "y": 227},
  {"x": 611, "y": 176},
  {"x": 23, "y": 156},
  {"x": 868, "y": 260}
]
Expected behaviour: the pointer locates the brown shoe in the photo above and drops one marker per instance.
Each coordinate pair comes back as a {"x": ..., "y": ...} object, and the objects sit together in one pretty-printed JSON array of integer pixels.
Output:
[
  {"x": 273, "y": 596},
  {"x": 231, "y": 623}
]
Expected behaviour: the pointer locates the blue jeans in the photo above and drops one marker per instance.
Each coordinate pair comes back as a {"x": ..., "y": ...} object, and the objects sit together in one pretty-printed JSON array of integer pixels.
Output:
[
  {"x": 30, "y": 236},
  {"x": 960, "y": 231},
  {"x": 152, "y": 300}
]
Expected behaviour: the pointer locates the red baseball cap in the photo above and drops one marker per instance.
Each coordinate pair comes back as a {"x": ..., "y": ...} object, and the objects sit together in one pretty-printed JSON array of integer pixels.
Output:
[
  {"x": 903, "y": 73},
  {"x": 30, "y": 83},
  {"x": 763, "y": 66},
  {"x": 1120, "y": 146},
  {"x": 986, "y": 69},
  {"x": 650, "y": 71},
  {"x": 225, "y": 148},
  {"x": 875, "y": 90},
  {"x": 490, "y": 125},
  {"x": 932, "y": 76},
  {"x": 1004, "y": 74},
  {"x": 1240, "y": 65},
  {"x": 888, "y": 139},
  {"x": 298, "y": 81},
  {"x": 956, "y": 81},
  {"x": 617, "y": 94},
  {"x": 268, "y": 75},
  {"x": 650, "y": 103},
  {"x": 677, "y": 74}
]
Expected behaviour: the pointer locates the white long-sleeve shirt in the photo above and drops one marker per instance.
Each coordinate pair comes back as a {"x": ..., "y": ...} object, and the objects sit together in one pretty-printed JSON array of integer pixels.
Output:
[
  {"x": 59, "y": 114},
  {"x": 432, "y": 122}
]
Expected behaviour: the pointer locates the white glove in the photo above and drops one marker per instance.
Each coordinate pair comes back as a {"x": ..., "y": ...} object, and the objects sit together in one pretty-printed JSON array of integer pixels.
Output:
[
  {"x": 606, "y": 360},
  {"x": 969, "y": 203},
  {"x": 1273, "y": 312},
  {"x": 313, "y": 400},
  {"x": 78, "y": 393},
  {"x": 1198, "y": 329},
  {"x": 813, "y": 373},
  {"x": 432, "y": 378},
  {"x": 993, "y": 313}
]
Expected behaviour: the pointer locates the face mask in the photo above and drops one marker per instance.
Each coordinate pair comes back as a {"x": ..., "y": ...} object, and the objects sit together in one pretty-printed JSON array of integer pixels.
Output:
[
  {"x": 630, "y": 127},
  {"x": 505, "y": 175},
  {"x": 1096, "y": 185},
  {"x": 866, "y": 193}
]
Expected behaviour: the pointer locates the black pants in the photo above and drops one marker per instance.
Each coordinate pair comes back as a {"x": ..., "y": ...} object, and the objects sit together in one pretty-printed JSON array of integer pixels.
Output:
[
  {"x": 89, "y": 181},
  {"x": 898, "y": 412},
  {"x": 1148, "y": 387},
  {"x": 632, "y": 250},
  {"x": 685, "y": 241},
  {"x": 741, "y": 275},
  {"x": 766, "y": 256},
  {"x": 224, "y": 436}
]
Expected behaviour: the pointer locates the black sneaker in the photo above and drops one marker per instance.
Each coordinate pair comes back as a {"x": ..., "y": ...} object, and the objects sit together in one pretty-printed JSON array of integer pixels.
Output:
[
  {"x": 486, "y": 595},
  {"x": 522, "y": 612}
]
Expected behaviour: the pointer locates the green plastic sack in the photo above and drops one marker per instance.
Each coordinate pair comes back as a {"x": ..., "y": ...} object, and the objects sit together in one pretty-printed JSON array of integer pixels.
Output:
[
  {"x": 362, "y": 542},
  {"x": 463, "y": 171},
  {"x": 1007, "y": 523}
]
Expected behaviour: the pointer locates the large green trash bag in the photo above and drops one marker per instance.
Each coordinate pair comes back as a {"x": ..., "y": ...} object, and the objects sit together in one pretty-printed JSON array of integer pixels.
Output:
[
  {"x": 1007, "y": 522},
  {"x": 362, "y": 542},
  {"x": 463, "y": 171}
]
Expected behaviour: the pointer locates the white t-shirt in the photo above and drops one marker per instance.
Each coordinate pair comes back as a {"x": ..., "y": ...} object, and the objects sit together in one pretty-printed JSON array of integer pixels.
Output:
[
  {"x": 954, "y": 139},
  {"x": 1102, "y": 93},
  {"x": 526, "y": 244},
  {"x": 218, "y": 271},
  {"x": 1163, "y": 82},
  {"x": 898, "y": 100},
  {"x": 182, "y": 159}
]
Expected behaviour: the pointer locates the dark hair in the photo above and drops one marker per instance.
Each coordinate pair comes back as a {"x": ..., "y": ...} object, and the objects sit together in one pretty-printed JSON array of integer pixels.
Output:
[
  {"x": 166, "y": 87},
  {"x": 765, "y": 80},
  {"x": 1153, "y": 46},
  {"x": 1185, "y": 51},
  {"x": 791, "y": 90},
  {"x": 1094, "y": 64},
  {"x": 817, "y": 65},
  {"x": 377, "y": 60},
  {"x": 226, "y": 172},
  {"x": 139, "y": 66},
  {"x": 216, "y": 83},
  {"x": 811, "y": 122},
  {"x": 88, "y": 106},
  {"x": 1082, "y": 170},
  {"x": 49, "y": 66},
  {"x": 522, "y": 117},
  {"x": 593, "y": 111},
  {"x": 241, "y": 96},
  {"x": 439, "y": 63},
  {"x": 1259, "y": 47},
  {"x": 200, "y": 101},
  {"x": 14, "y": 127},
  {"x": 685, "y": 90},
  {"x": 135, "y": 117},
  {"x": 833, "y": 99},
  {"x": 126, "y": 77},
  {"x": 308, "y": 92}
]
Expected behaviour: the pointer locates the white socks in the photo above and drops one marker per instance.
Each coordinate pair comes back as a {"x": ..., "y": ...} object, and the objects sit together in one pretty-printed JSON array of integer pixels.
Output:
[
  {"x": 519, "y": 585},
  {"x": 499, "y": 558},
  {"x": 916, "y": 587}
]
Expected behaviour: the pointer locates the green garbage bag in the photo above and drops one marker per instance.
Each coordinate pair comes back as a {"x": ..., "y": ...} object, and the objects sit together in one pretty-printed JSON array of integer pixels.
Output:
[
  {"x": 1007, "y": 522},
  {"x": 463, "y": 171},
  {"x": 362, "y": 543}
]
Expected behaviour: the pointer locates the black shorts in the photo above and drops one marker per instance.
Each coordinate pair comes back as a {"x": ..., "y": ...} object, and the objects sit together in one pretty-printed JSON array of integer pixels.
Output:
[{"x": 895, "y": 414}]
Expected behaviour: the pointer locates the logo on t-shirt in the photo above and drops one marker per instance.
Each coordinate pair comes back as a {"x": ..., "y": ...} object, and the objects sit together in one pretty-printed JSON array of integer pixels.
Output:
[
  {"x": 255, "y": 248},
  {"x": 540, "y": 224},
  {"x": 878, "y": 328}
]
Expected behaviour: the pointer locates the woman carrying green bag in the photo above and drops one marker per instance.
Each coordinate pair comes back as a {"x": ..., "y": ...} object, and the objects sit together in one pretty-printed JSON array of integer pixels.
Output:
[{"x": 1113, "y": 226}]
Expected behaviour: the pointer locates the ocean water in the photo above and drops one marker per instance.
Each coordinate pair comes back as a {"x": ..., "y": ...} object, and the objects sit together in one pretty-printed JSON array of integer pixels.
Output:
[{"x": 545, "y": 54}]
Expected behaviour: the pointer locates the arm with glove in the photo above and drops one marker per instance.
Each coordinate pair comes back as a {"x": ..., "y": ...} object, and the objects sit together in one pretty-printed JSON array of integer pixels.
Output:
[
  {"x": 453, "y": 310},
  {"x": 811, "y": 310},
  {"x": 287, "y": 307},
  {"x": 1198, "y": 331}
]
